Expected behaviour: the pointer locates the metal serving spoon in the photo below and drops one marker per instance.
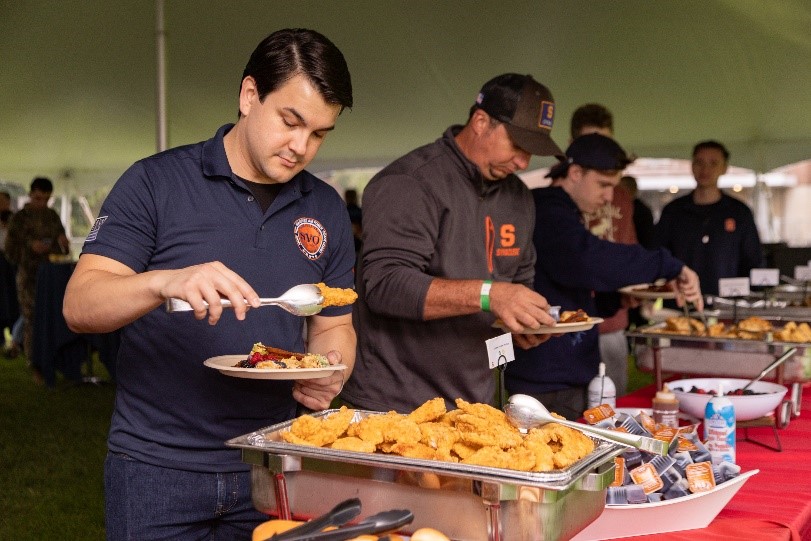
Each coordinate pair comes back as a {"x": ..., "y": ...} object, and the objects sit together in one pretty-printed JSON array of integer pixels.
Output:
[
  {"x": 300, "y": 300},
  {"x": 525, "y": 412}
]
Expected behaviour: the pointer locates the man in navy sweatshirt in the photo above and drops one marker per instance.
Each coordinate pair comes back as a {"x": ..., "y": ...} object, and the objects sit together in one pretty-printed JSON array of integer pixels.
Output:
[{"x": 573, "y": 264}]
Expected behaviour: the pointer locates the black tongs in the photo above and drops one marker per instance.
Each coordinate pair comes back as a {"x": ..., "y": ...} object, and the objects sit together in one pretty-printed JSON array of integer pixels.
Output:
[
  {"x": 338, "y": 516},
  {"x": 387, "y": 521}
]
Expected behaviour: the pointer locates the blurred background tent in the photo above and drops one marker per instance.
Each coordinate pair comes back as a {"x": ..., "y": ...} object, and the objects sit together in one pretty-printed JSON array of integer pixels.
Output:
[{"x": 78, "y": 77}]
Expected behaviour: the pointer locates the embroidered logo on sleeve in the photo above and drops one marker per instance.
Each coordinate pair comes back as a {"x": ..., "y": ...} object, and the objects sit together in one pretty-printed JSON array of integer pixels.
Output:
[
  {"x": 311, "y": 237},
  {"x": 94, "y": 231}
]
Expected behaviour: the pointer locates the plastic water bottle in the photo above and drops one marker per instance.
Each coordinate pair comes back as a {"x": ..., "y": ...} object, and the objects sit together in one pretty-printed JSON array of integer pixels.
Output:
[
  {"x": 719, "y": 428},
  {"x": 602, "y": 390}
]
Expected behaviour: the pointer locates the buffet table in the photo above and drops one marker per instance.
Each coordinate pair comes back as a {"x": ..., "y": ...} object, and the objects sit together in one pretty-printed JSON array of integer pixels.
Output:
[{"x": 774, "y": 504}]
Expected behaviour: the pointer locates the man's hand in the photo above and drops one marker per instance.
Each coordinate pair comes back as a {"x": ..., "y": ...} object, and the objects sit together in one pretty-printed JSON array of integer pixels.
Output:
[
  {"x": 688, "y": 289},
  {"x": 209, "y": 283},
  {"x": 317, "y": 394},
  {"x": 519, "y": 308},
  {"x": 527, "y": 341}
]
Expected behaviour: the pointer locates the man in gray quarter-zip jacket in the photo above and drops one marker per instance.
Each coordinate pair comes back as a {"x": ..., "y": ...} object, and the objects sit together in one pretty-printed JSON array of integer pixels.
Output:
[{"x": 447, "y": 249}]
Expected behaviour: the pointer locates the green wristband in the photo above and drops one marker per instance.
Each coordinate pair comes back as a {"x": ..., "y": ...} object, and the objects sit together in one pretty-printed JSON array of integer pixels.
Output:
[{"x": 485, "y": 295}]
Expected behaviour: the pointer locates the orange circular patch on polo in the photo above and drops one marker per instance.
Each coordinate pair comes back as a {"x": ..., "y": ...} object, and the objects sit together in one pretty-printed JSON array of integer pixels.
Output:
[
  {"x": 311, "y": 237},
  {"x": 729, "y": 225}
]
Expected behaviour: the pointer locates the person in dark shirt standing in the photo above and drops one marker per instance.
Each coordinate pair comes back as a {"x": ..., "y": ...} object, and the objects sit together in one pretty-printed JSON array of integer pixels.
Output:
[
  {"x": 643, "y": 216},
  {"x": 712, "y": 232},
  {"x": 573, "y": 263}
]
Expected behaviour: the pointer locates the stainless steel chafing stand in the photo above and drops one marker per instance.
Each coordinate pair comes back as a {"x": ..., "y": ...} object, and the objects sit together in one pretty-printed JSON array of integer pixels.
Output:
[
  {"x": 730, "y": 357},
  {"x": 465, "y": 502}
]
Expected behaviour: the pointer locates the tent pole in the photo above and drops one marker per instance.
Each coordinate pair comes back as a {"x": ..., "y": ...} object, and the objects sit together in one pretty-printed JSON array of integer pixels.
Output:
[{"x": 160, "y": 42}]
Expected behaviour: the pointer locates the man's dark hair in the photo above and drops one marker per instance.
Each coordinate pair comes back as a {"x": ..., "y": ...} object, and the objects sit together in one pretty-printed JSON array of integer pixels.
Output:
[
  {"x": 42, "y": 184},
  {"x": 714, "y": 145},
  {"x": 591, "y": 114},
  {"x": 292, "y": 51}
]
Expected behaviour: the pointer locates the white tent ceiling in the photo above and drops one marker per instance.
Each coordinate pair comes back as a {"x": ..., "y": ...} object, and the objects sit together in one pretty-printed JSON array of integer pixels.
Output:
[{"x": 77, "y": 77}]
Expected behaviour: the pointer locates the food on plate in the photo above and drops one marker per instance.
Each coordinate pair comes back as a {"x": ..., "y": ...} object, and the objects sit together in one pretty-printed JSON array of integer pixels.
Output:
[
  {"x": 336, "y": 296},
  {"x": 476, "y": 434},
  {"x": 265, "y": 357},
  {"x": 573, "y": 316},
  {"x": 653, "y": 288}
]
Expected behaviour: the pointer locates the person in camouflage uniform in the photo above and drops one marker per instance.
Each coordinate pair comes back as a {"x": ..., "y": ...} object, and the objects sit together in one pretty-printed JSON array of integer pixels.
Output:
[{"x": 33, "y": 233}]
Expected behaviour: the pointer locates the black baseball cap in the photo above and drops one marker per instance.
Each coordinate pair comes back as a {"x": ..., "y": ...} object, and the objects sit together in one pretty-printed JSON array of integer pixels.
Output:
[
  {"x": 592, "y": 151},
  {"x": 526, "y": 108}
]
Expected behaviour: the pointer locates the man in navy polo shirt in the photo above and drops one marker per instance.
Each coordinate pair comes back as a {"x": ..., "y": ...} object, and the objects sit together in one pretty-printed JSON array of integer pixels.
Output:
[{"x": 235, "y": 217}]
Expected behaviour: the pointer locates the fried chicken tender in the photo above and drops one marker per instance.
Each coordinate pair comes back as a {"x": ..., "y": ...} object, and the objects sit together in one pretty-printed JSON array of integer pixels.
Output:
[
  {"x": 518, "y": 458},
  {"x": 351, "y": 443},
  {"x": 485, "y": 432},
  {"x": 537, "y": 443},
  {"x": 319, "y": 432},
  {"x": 438, "y": 435},
  {"x": 429, "y": 411},
  {"x": 389, "y": 427},
  {"x": 412, "y": 450},
  {"x": 464, "y": 450},
  {"x": 336, "y": 296},
  {"x": 568, "y": 445},
  {"x": 485, "y": 411}
]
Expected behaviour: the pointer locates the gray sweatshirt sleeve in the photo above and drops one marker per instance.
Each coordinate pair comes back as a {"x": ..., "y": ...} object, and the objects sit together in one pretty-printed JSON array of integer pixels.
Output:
[{"x": 400, "y": 230}]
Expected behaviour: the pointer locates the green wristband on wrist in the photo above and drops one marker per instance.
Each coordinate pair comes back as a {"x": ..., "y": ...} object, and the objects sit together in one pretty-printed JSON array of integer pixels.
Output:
[{"x": 484, "y": 296}]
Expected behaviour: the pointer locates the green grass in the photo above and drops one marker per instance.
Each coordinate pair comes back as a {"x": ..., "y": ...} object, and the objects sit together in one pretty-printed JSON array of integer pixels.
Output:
[{"x": 52, "y": 455}]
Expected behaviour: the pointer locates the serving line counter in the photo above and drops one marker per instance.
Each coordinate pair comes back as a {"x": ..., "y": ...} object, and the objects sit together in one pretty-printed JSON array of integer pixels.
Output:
[{"x": 775, "y": 504}]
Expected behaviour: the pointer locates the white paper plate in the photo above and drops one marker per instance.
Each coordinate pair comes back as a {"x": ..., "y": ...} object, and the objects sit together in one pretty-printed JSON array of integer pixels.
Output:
[
  {"x": 640, "y": 292},
  {"x": 686, "y": 513},
  {"x": 225, "y": 364},
  {"x": 560, "y": 328}
]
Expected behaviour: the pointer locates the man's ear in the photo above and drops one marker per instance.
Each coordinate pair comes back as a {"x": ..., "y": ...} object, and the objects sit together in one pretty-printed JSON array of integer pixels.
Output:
[{"x": 248, "y": 95}]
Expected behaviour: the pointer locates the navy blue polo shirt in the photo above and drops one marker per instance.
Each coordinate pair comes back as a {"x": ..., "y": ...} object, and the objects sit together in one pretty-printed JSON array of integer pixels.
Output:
[{"x": 185, "y": 207}]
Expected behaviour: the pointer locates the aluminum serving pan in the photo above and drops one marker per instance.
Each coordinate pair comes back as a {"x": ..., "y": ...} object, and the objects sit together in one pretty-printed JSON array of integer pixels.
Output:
[{"x": 465, "y": 502}]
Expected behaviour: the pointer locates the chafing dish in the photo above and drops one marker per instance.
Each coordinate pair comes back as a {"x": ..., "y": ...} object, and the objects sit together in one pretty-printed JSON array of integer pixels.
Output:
[
  {"x": 659, "y": 352},
  {"x": 465, "y": 502}
]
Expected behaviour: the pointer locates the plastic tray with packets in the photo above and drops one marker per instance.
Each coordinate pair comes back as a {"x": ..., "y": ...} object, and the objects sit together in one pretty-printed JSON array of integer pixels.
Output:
[
  {"x": 651, "y": 494},
  {"x": 498, "y": 504}
]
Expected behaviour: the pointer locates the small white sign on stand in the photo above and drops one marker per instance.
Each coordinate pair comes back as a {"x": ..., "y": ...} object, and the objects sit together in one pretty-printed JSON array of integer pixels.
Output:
[
  {"x": 803, "y": 274},
  {"x": 733, "y": 287},
  {"x": 764, "y": 277},
  {"x": 500, "y": 350}
]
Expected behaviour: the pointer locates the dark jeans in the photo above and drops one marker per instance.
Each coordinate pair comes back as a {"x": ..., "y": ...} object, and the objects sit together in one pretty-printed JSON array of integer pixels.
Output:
[{"x": 145, "y": 502}]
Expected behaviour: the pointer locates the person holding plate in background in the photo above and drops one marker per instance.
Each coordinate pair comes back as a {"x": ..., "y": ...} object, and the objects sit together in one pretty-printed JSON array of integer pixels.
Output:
[
  {"x": 573, "y": 263},
  {"x": 447, "y": 238},
  {"x": 232, "y": 217}
]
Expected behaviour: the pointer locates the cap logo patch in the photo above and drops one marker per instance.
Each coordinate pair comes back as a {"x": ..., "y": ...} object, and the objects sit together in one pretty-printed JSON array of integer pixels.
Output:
[
  {"x": 311, "y": 237},
  {"x": 729, "y": 225},
  {"x": 94, "y": 231},
  {"x": 547, "y": 115},
  {"x": 480, "y": 98}
]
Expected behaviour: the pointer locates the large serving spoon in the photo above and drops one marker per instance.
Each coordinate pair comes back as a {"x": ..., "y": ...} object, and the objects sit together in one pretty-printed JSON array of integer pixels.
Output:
[
  {"x": 300, "y": 300},
  {"x": 525, "y": 412},
  {"x": 774, "y": 364}
]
